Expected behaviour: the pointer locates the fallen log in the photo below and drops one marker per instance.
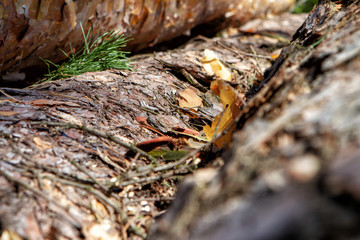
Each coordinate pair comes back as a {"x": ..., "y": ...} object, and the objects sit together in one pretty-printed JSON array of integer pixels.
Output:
[
  {"x": 33, "y": 29},
  {"x": 99, "y": 155},
  {"x": 292, "y": 171}
]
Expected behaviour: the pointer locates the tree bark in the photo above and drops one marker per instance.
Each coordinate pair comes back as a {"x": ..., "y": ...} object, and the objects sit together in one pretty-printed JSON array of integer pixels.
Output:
[
  {"x": 292, "y": 170},
  {"x": 72, "y": 151},
  {"x": 72, "y": 160},
  {"x": 33, "y": 29}
]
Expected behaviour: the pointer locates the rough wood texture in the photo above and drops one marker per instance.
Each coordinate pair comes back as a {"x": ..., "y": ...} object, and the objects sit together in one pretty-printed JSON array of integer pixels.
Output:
[
  {"x": 65, "y": 168},
  {"x": 33, "y": 29},
  {"x": 292, "y": 172}
]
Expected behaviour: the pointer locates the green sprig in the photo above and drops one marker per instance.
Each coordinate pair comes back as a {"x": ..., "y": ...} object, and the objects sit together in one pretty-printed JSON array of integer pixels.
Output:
[{"x": 97, "y": 54}]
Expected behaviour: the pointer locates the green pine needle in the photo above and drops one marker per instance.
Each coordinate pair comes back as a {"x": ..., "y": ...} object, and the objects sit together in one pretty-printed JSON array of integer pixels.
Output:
[{"x": 98, "y": 54}]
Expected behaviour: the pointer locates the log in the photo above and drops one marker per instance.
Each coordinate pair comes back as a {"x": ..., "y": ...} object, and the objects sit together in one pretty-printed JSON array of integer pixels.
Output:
[
  {"x": 72, "y": 160},
  {"x": 292, "y": 170},
  {"x": 33, "y": 29}
]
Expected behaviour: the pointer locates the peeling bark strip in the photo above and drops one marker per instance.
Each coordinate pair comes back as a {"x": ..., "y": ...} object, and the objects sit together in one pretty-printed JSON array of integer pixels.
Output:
[{"x": 33, "y": 29}]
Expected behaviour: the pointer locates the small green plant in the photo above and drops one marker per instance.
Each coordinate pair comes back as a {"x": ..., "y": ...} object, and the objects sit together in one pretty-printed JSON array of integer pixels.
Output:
[
  {"x": 304, "y": 6},
  {"x": 98, "y": 54}
]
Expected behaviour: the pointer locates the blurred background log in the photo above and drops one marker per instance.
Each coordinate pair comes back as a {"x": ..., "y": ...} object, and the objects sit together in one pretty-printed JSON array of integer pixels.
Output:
[
  {"x": 292, "y": 172},
  {"x": 33, "y": 29}
]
